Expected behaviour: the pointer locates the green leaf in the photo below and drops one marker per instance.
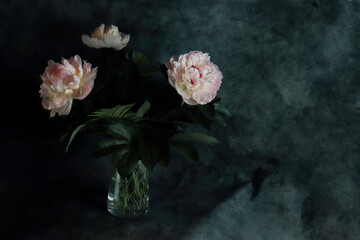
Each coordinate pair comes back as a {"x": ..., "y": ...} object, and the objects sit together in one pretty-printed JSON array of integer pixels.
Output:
[
  {"x": 122, "y": 128},
  {"x": 220, "y": 120},
  {"x": 139, "y": 57},
  {"x": 116, "y": 112},
  {"x": 153, "y": 142},
  {"x": 221, "y": 109},
  {"x": 125, "y": 161},
  {"x": 113, "y": 133},
  {"x": 187, "y": 150},
  {"x": 108, "y": 142},
  {"x": 197, "y": 137},
  {"x": 190, "y": 115},
  {"x": 75, "y": 132},
  {"x": 143, "y": 108},
  {"x": 127, "y": 56},
  {"x": 149, "y": 152},
  {"x": 208, "y": 109},
  {"x": 180, "y": 126},
  {"x": 144, "y": 66},
  {"x": 216, "y": 99},
  {"x": 63, "y": 136},
  {"x": 108, "y": 146}
]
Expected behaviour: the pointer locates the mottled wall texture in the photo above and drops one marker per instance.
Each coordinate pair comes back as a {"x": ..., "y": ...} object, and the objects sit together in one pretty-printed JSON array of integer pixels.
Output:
[{"x": 288, "y": 165}]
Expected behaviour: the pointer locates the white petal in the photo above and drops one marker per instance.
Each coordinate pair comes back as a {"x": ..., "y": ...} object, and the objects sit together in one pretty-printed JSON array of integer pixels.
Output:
[
  {"x": 92, "y": 42},
  {"x": 112, "y": 41}
]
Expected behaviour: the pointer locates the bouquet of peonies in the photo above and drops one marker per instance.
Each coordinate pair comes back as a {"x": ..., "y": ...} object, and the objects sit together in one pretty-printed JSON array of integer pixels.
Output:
[{"x": 136, "y": 114}]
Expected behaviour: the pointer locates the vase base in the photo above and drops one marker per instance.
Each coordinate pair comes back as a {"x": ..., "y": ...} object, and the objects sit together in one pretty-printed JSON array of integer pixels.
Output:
[
  {"x": 129, "y": 197},
  {"x": 126, "y": 213},
  {"x": 131, "y": 210}
]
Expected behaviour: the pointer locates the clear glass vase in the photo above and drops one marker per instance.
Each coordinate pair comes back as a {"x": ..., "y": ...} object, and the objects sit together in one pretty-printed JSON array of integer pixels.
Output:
[{"x": 129, "y": 197}]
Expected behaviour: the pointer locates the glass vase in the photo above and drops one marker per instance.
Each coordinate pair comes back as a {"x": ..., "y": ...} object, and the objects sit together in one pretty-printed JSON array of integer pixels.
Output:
[{"x": 129, "y": 197}]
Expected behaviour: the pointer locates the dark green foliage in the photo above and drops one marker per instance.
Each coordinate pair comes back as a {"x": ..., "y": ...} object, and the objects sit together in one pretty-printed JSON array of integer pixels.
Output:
[
  {"x": 220, "y": 120},
  {"x": 197, "y": 137},
  {"x": 187, "y": 150},
  {"x": 131, "y": 132},
  {"x": 202, "y": 115},
  {"x": 76, "y": 131},
  {"x": 143, "y": 109},
  {"x": 125, "y": 160},
  {"x": 221, "y": 109},
  {"x": 190, "y": 115},
  {"x": 108, "y": 146},
  {"x": 144, "y": 66},
  {"x": 153, "y": 142}
]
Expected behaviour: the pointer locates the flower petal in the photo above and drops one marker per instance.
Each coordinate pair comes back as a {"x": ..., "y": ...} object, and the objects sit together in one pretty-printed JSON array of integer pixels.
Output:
[
  {"x": 92, "y": 42},
  {"x": 194, "y": 77},
  {"x": 190, "y": 101},
  {"x": 65, "y": 81},
  {"x": 77, "y": 64},
  {"x": 87, "y": 82},
  {"x": 108, "y": 37},
  {"x": 98, "y": 32}
]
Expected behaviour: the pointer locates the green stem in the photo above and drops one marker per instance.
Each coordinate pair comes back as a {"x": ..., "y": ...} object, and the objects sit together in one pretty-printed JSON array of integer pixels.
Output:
[{"x": 117, "y": 185}]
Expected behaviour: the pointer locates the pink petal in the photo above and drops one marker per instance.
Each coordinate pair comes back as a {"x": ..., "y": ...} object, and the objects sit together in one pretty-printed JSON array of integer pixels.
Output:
[
  {"x": 60, "y": 100},
  {"x": 77, "y": 64},
  {"x": 190, "y": 101},
  {"x": 84, "y": 90},
  {"x": 87, "y": 82},
  {"x": 63, "y": 110}
]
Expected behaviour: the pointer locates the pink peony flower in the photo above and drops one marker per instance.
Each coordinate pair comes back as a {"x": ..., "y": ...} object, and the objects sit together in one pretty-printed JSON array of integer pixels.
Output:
[
  {"x": 65, "y": 81},
  {"x": 194, "y": 77},
  {"x": 108, "y": 37}
]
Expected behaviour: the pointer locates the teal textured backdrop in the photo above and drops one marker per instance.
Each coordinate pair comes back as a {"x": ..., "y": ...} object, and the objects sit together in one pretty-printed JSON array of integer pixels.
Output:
[{"x": 287, "y": 168}]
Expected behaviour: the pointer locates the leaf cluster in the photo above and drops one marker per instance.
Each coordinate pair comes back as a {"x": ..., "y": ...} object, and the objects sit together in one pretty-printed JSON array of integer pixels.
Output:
[{"x": 129, "y": 132}]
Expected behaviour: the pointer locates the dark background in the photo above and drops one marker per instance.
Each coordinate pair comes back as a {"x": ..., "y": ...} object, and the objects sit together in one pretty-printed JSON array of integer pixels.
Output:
[{"x": 291, "y": 80}]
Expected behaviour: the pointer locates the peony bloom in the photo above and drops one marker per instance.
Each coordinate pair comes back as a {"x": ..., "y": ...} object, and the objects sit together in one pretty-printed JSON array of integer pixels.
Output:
[
  {"x": 106, "y": 37},
  {"x": 194, "y": 77},
  {"x": 65, "y": 81}
]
